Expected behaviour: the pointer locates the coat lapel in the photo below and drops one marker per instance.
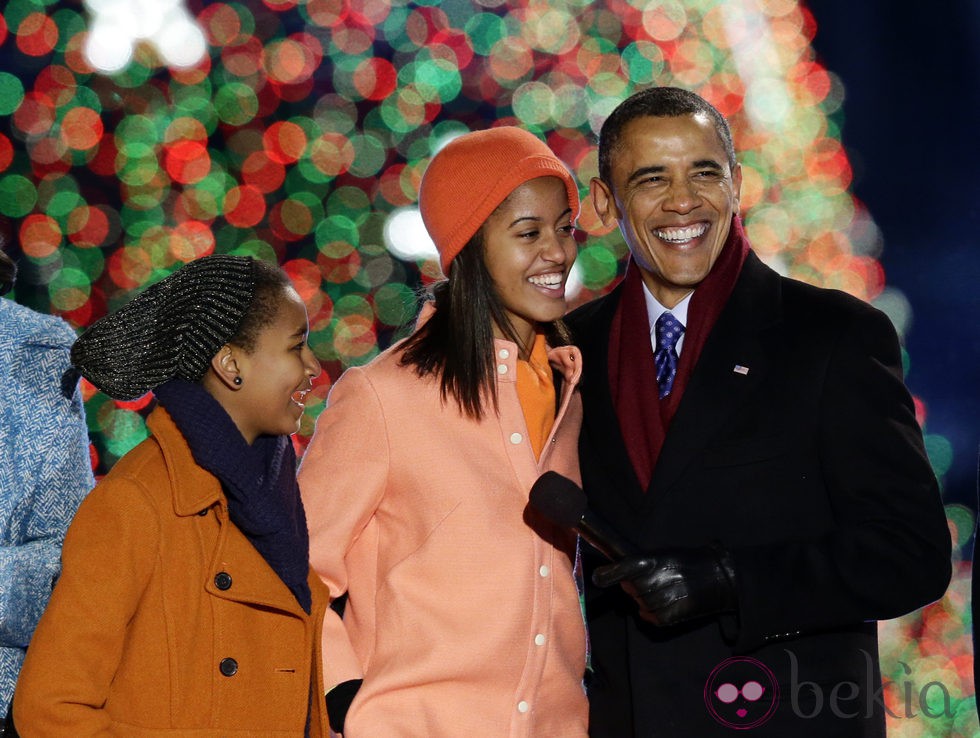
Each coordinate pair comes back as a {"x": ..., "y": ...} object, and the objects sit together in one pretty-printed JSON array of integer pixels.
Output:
[
  {"x": 733, "y": 363},
  {"x": 566, "y": 370},
  {"x": 252, "y": 580},
  {"x": 247, "y": 577},
  {"x": 600, "y": 424}
]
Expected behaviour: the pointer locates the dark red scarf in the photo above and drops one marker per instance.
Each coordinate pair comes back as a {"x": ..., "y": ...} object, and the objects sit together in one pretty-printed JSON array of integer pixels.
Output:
[{"x": 643, "y": 418}]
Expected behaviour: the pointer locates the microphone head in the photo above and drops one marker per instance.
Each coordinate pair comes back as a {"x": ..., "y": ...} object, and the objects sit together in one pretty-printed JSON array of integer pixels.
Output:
[{"x": 559, "y": 499}]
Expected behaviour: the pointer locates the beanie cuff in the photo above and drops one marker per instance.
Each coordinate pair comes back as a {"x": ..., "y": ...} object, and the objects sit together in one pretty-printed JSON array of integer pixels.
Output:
[
  {"x": 473, "y": 174},
  {"x": 530, "y": 168}
]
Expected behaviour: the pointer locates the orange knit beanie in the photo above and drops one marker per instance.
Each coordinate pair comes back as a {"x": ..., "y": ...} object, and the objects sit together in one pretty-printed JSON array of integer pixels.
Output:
[{"x": 469, "y": 177}]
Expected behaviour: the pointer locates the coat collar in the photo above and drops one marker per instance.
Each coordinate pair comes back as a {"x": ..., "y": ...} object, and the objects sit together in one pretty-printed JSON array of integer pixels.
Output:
[
  {"x": 714, "y": 390},
  {"x": 566, "y": 360},
  {"x": 193, "y": 488}
]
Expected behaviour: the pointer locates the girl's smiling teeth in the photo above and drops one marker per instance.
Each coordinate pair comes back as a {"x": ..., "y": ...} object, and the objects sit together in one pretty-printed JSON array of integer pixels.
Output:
[
  {"x": 551, "y": 281},
  {"x": 681, "y": 235}
]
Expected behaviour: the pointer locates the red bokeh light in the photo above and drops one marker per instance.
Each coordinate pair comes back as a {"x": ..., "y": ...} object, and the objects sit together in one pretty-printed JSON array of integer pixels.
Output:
[{"x": 244, "y": 206}]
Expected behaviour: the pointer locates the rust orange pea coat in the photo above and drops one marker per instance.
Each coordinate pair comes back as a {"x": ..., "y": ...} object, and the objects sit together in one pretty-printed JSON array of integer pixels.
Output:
[{"x": 166, "y": 621}]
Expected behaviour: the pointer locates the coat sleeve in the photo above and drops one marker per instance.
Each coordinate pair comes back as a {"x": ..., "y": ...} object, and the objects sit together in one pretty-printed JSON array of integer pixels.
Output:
[
  {"x": 52, "y": 473},
  {"x": 342, "y": 479},
  {"x": 108, "y": 557},
  {"x": 889, "y": 552}
]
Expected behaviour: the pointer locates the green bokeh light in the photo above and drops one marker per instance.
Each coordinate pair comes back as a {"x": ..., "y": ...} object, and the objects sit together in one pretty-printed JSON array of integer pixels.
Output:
[
  {"x": 17, "y": 195},
  {"x": 11, "y": 93}
]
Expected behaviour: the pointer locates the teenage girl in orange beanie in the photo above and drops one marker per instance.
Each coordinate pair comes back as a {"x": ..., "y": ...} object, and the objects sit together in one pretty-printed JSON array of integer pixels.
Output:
[{"x": 462, "y": 617}]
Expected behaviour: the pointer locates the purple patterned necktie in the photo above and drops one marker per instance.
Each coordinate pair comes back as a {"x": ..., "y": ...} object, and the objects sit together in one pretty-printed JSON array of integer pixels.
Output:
[{"x": 668, "y": 331}]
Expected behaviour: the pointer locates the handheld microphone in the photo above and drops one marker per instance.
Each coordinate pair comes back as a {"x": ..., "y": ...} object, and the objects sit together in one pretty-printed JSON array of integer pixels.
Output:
[{"x": 563, "y": 503}]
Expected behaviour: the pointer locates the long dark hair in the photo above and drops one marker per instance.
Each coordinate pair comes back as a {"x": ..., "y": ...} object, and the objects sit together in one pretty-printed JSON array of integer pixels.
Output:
[{"x": 456, "y": 343}]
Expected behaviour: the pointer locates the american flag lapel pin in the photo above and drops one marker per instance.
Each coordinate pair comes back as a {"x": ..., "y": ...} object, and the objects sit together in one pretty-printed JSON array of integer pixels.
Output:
[{"x": 739, "y": 369}]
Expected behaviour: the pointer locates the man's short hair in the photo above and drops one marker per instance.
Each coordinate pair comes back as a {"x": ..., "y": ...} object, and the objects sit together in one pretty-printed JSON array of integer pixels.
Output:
[{"x": 658, "y": 102}]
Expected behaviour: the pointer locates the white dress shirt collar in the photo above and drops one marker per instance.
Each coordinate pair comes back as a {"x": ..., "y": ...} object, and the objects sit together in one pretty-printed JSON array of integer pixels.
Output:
[{"x": 655, "y": 310}]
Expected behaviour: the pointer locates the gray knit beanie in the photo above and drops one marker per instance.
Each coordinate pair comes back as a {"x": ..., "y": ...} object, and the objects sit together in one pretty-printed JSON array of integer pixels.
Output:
[{"x": 171, "y": 329}]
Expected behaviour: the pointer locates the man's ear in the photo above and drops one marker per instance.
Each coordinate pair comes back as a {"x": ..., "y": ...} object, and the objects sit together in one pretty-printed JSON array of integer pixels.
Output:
[
  {"x": 737, "y": 186},
  {"x": 604, "y": 202},
  {"x": 224, "y": 364}
]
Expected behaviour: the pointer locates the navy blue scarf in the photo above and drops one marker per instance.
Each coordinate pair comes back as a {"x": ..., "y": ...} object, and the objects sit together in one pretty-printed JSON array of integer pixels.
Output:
[{"x": 259, "y": 480}]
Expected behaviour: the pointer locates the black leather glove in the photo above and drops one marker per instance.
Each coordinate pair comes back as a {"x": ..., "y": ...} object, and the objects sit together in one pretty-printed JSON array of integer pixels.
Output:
[
  {"x": 338, "y": 703},
  {"x": 673, "y": 586}
]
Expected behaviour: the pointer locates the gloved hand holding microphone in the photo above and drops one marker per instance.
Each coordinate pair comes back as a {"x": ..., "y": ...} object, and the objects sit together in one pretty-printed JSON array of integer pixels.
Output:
[{"x": 670, "y": 585}]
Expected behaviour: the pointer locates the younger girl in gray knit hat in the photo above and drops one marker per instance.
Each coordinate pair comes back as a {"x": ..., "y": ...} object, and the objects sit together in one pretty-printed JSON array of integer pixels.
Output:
[{"x": 186, "y": 602}]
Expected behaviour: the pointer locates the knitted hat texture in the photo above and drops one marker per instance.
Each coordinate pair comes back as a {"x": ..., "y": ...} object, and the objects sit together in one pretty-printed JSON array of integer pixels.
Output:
[
  {"x": 171, "y": 329},
  {"x": 469, "y": 177}
]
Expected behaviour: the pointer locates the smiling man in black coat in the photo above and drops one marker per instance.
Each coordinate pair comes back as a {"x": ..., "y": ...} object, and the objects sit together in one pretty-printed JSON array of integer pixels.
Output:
[{"x": 753, "y": 437}]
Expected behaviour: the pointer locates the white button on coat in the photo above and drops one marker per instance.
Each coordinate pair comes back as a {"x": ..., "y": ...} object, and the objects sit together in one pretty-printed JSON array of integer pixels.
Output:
[
  {"x": 539, "y": 639},
  {"x": 522, "y": 706},
  {"x": 544, "y": 571},
  {"x": 501, "y": 368},
  {"x": 503, "y": 354},
  {"x": 516, "y": 438}
]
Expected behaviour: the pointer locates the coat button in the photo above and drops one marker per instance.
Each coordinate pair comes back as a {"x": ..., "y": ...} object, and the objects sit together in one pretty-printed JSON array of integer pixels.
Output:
[
  {"x": 203, "y": 512},
  {"x": 222, "y": 580},
  {"x": 228, "y": 667}
]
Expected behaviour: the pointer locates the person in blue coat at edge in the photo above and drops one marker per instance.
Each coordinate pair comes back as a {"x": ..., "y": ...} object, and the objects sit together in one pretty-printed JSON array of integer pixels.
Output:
[
  {"x": 45, "y": 470},
  {"x": 752, "y": 438}
]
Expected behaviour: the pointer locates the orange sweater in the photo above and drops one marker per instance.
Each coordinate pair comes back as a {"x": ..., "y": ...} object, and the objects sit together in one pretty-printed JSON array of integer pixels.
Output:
[{"x": 536, "y": 392}]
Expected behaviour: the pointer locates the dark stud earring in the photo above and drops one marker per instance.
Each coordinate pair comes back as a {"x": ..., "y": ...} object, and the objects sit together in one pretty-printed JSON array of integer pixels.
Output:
[{"x": 237, "y": 381}]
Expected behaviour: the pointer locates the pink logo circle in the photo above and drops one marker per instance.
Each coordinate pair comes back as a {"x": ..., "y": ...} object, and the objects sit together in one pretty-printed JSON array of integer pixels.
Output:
[{"x": 741, "y": 693}]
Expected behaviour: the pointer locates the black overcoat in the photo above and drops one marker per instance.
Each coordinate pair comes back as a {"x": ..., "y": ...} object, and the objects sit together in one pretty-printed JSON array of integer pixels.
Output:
[{"x": 796, "y": 446}]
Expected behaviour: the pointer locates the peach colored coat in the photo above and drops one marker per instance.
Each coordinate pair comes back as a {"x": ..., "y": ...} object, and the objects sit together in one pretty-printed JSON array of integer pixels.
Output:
[
  {"x": 144, "y": 637},
  {"x": 462, "y": 619}
]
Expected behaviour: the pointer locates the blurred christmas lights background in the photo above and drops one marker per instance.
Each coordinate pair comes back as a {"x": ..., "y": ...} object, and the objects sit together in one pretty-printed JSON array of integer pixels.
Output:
[{"x": 298, "y": 130}]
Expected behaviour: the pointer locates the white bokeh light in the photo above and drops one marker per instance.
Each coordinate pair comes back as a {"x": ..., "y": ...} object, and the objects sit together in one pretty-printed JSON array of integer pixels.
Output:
[
  {"x": 118, "y": 25},
  {"x": 406, "y": 237}
]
